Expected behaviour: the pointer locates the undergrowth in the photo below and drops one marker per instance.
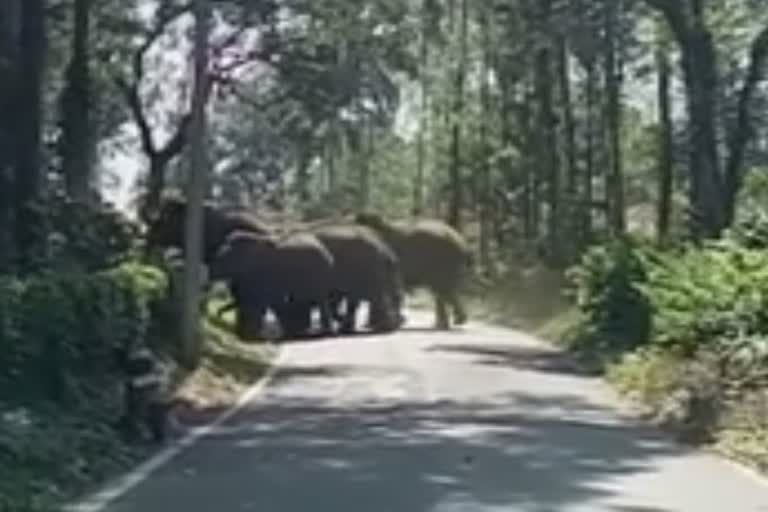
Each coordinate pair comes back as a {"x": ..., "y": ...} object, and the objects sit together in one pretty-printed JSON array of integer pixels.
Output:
[
  {"x": 684, "y": 331},
  {"x": 60, "y": 390}
]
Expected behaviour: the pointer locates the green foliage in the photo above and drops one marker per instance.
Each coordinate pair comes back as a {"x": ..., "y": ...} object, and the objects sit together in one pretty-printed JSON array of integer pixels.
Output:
[
  {"x": 686, "y": 299},
  {"x": 58, "y": 330},
  {"x": 77, "y": 236},
  {"x": 606, "y": 284},
  {"x": 715, "y": 295},
  {"x": 59, "y": 386}
]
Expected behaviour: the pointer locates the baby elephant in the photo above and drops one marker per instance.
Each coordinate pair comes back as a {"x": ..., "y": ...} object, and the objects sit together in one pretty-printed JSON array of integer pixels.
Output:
[{"x": 269, "y": 271}]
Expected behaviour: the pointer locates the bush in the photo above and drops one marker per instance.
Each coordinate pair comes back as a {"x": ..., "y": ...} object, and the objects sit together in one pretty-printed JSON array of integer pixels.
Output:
[
  {"x": 715, "y": 296},
  {"x": 59, "y": 385},
  {"x": 606, "y": 284},
  {"x": 72, "y": 235},
  {"x": 59, "y": 331}
]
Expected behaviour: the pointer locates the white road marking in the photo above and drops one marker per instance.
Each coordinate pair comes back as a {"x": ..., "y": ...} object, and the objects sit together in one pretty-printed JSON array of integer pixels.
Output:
[{"x": 99, "y": 500}]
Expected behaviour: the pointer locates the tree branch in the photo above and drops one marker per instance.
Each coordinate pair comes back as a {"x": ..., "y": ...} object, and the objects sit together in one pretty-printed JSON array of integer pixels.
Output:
[
  {"x": 131, "y": 94},
  {"x": 675, "y": 13}
]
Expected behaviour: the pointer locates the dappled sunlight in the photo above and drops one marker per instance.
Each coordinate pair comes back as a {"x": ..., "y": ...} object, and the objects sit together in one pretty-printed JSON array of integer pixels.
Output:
[{"x": 427, "y": 454}]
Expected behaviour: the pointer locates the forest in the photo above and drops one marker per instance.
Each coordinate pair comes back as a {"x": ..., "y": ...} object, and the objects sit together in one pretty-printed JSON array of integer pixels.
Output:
[{"x": 620, "y": 146}]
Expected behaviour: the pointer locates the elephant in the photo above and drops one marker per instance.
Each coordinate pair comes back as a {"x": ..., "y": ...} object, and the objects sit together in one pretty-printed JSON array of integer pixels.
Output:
[
  {"x": 432, "y": 255},
  {"x": 270, "y": 272},
  {"x": 166, "y": 229},
  {"x": 366, "y": 269}
]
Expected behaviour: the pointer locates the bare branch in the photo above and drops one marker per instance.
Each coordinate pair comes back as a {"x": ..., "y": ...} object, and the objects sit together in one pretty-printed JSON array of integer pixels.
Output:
[{"x": 131, "y": 94}]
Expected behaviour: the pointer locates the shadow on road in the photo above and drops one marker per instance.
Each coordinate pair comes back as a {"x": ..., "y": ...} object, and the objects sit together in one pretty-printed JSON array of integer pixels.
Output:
[
  {"x": 538, "y": 359},
  {"x": 513, "y": 450}
]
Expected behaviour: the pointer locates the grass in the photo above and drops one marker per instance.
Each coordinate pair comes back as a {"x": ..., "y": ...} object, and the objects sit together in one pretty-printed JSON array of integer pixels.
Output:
[{"x": 228, "y": 368}]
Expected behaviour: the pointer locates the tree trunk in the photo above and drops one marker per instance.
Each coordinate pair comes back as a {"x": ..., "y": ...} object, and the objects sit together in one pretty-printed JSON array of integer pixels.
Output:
[
  {"x": 569, "y": 150},
  {"x": 77, "y": 140},
  {"x": 742, "y": 132},
  {"x": 418, "y": 190},
  {"x": 700, "y": 76},
  {"x": 10, "y": 21},
  {"x": 29, "y": 124},
  {"x": 191, "y": 328},
  {"x": 302, "y": 178},
  {"x": 531, "y": 211},
  {"x": 365, "y": 167},
  {"x": 613, "y": 71},
  {"x": 701, "y": 83},
  {"x": 485, "y": 146},
  {"x": 457, "y": 194},
  {"x": 589, "y": 164},
  {"x": 547, "y": 126},
  {"x": 569, "y": 128},
  {"x": 666, "y": 148}
]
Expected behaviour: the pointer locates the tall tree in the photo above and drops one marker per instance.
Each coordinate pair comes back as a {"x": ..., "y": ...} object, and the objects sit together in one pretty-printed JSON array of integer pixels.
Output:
[
  {"x": 666, "y": 147},
  {"x": 547, "y": 127},
  {"x": 77, "y": 138},
  {"x": 10, "y": 27},
  {"x": 424, "y": 110},
  {"x": 456, "y": 203},
  {"x": 196, "y": 191},
  {"x": 485, "y": 195},
  {"x": 29, "y": 124},
  {"x": 613, "y": 78}
]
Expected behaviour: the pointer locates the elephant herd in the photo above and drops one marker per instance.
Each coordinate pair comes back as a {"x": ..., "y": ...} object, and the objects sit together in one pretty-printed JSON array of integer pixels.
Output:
[{"x": 328, "y": 267}]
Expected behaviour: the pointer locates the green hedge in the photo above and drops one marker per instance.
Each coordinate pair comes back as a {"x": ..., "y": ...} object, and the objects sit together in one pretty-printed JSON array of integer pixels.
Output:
[{"x": 59, "y": 331}]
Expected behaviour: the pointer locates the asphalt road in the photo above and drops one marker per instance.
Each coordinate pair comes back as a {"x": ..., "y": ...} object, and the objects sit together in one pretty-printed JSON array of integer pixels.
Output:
[{"x": 482, "y": 419}]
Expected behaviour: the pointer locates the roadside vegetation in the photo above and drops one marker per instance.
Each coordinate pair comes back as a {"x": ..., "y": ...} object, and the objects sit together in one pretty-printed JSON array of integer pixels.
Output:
[{"x": 614, "y": 194}]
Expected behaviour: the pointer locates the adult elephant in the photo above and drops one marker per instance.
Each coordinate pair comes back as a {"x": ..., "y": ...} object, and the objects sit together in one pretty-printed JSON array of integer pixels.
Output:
[
  {"x": 278, "y": 273},
  {"x": 366, "y": 269},
  {"x": 432, "y": 255},
  {"x": 166, "y": 228}
]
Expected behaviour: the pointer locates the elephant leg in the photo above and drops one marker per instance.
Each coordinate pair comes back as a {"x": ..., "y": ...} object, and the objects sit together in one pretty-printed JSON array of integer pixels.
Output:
[
  {"x": 250, "y": 322},
  {"x": 383, "y": 316},
  {"x": 295, "y": 318},
  {"x": 335, "y": 307},
  {"x": 348, "y": 325},
  {"x": 326, "y": 317},
  {"x": 459, "y": 311},
  {"x": 442, "y": 320}
]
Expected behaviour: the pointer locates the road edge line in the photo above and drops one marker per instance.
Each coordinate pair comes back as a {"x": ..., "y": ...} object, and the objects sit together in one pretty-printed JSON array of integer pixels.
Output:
[{"x": 99, "y": 500}]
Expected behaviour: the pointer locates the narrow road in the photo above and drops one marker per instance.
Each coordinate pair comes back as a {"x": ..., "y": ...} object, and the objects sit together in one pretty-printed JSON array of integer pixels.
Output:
[{"x": 483, "y": 419}]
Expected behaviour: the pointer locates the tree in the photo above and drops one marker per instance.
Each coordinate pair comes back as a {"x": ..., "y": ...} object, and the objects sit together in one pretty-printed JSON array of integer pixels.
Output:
[
  {"x": 10, "y": 27},
  {"x": 29, "y": 118},
  {"x": 457, "y": 112},
  {"x": 191, "y": 330},
  {"x": 714, "y": 187},
  {"x": 666, "y": 146},
  {"x": 77, "y": 134}
]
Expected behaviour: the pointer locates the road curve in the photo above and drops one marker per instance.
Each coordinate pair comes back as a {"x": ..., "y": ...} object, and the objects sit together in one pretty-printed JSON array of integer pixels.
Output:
[{"x": 482, "y": 419}]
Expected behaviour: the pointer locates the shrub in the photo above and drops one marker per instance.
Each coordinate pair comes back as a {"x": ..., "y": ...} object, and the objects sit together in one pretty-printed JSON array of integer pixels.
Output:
[
  {"x": 607, "y": 289},
  {"x": 73, "y": 235},
  {"x": 58, "y": 331},
  {"x": 713, "y": 296}
]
